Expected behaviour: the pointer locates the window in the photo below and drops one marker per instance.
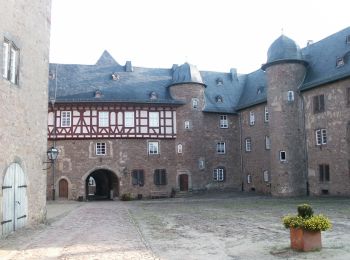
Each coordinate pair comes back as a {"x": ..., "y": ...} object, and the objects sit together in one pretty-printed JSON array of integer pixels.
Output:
[
  {"x": 103, "y": 119},
  {"x": 195, "y": 103},
  {"x": 267, "y": 143},
  {"x": 266, "y": 176},
  {"x": 290, "y": 96},
  {"x": 219, "y": 174},
  {"x": 10, "y": 61},
  {"x": 153, "y": 147},
  {"x": 348, "y": 96},
  {"x": 248, "y": 145},
  {"x": 153, "y": 119},
  {"x": 187, "y": 124},
  {"x": 138, "y": 177},
  {"x": 223, "y": 121},
  {"x": 266, "y": 115},
  {"x": 220, "y": 148},
  {"x": 160, "y": 177},
  {"x": 318, "y": 103},
  {"x": 321, "y": 136},
  {"x": 251, "y": 118},
  {"x": 219, "y": 99},
  {"x": 179, "y": 148},
  {"x": 283, "y": 156},
  {"x": 129, "y": 119},
  {"x": 324, "y": 172},
  {"x": 201, "y": 164},
  {"x": 249, "y": 178},
  {"x": 219, "y": 81},
  {"x": 66, "y": 118},
  {"x": 101, "y": 149},
  {"x": 340, "y": 62}
]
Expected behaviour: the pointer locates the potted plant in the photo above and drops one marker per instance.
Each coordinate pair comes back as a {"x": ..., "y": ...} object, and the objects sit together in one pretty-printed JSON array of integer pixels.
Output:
[{"x": 305, "y": 228}]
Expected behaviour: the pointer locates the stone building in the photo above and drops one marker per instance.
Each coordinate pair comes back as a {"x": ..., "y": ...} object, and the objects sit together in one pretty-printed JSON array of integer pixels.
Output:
[
  {"x": 282, "y": 130},
  {"x": 24, "y": 51}
]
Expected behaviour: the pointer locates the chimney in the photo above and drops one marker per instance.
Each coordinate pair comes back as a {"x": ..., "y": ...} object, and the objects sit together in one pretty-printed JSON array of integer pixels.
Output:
[{"x": 128, "y": 67}]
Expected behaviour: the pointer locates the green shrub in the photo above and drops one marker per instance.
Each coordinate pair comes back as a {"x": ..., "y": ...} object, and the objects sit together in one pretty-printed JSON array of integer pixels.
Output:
[
  {"x": 126, "y": 197},
  {"x": 309, "y": 222},
  {"x": 305, "y": 211}
]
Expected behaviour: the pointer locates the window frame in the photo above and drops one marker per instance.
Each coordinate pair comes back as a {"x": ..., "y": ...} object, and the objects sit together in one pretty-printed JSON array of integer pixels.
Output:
[
  {"x": 248, "y": 144},
  {"x": 221, "y": 147},
  {"x": 290, "y": 96},
  {"x": 223, "y": 122},
  {"x": 219, "y": 174},
  {"x": 103, "y": 121},
  {"x": 101, "y": 149},
  {"x": 160, "y": 177},
  {"x": 153, "y": 119},
  {"x": 249, "y": 178},
  {"x": 266, "y": 176},
  {"x": 151, "y": 144},
  {"x": 129, "y": 119},
  {"x": 285, "y": 156},
  {"x": 187, "y": 124},
  {"x": 10, "y": 61},
  {"x": 324, "y": 173},
  {"x": 65, "y": 119},
  {"x": 251, "y": 118},
  {"x": 318, "y": 104},
  {"x": 179, "y": 148},
  {"x": 267, "y": 142},
  {"x": 266, "y": 114},
  {"x": 321, "y": 136},
  {"x": 195, "y": 103}
]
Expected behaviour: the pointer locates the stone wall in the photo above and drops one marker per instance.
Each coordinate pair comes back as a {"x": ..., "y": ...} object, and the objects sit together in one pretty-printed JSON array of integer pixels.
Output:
[{"x": 23, "y": 109}]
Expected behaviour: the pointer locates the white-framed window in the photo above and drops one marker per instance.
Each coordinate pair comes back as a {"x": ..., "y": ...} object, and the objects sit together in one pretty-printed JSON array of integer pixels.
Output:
[
  {"x": 267, "y": 142},
  {"x": 251, "y": 118},
  {"x": 283, "y": 156},
  {"x": 266, "y": 114},
  {"x": 179, "y": 148},
  {"x": 66, "y": 118},
  {"x": 219, "y": 174},
  {"x": 321, "y": 136},
  {"x": 290, "y": 95},
  {"x": 195, "y": 103},
  {"x": 103, "y": 119},
  {"x": 221, "y": 148},
  {"x": 249, "y": 178},
  {"x": 201, "y": 164},
  {"x": 248, "y": 145},
  {"x": 266, "y": 176},
  {"x": 10, "y": 61},
  {"x": 153, "y": 147},
  {"x": 187, "y": 125},
  {"x": 129, "y": 119},
  {"x": 153, "y": 119},
  {"x": 101, "y": 149},
  {"x": 223, "y": 121}
]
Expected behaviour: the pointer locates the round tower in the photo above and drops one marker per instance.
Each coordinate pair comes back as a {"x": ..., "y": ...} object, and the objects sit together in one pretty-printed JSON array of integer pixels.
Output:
[
  {"x": 285, "y": 72},
  {"x": 187, "y": 86}
]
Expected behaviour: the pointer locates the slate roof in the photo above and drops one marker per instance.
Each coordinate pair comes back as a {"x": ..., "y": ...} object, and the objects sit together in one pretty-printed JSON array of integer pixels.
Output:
[{"x": 225, "y": 92}]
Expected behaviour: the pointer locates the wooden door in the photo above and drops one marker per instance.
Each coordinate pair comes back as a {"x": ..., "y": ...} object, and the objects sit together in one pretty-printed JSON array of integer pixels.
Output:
[
  {"x": 14, "y": 200},
  {"x": 183, "y": 182},
  {"x": 63, "y": 189}
]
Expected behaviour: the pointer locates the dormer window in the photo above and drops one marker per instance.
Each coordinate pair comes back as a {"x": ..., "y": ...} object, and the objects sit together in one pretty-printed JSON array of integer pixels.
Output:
[
  {"x": 153, "y": 95},
  {"x": 348, "y": 39},
  {"x": 219, "y": 99},
  {"x": 340, "y": 62},
  {"x": 98, "y": 94},
  {"x": 51, "y": 75},
  {"x": 219, "y": 81},
  {"x": 260, "y": 90},
  {"x": 115, "y": 76}
]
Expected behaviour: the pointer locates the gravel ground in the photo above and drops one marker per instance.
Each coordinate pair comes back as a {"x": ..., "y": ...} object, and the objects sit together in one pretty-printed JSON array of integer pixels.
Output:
[{"x": 211, "y": 226}]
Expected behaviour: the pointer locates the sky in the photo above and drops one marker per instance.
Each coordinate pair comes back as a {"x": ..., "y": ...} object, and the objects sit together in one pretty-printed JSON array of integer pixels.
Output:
[{"x": 214, "y": 35}]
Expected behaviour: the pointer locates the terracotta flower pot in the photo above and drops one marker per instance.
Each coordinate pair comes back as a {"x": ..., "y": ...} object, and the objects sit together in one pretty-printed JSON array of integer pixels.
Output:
[{"x": 304, "y": 240}]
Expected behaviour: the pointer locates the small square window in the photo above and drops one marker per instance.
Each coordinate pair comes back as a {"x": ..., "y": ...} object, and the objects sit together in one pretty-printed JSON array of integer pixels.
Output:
[
  {"x": 101, "y": 149},
  {"x": 153, "y": 148},
  {"x": 220, "y": 148},
  {"x": 283, "y": 157},
  {"x": 223, "y": 121}
]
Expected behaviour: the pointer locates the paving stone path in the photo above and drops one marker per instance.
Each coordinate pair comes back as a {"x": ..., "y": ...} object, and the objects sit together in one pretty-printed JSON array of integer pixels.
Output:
[{"x": 96, "y": 230}]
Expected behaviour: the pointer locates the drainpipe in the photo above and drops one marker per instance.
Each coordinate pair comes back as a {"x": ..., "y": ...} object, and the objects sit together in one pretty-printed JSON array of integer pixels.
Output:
[{"x": 240, "y": 147}]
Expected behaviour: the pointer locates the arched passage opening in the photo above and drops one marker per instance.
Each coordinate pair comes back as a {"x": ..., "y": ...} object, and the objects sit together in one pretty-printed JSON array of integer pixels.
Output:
[{"x": 101, "y": 185}]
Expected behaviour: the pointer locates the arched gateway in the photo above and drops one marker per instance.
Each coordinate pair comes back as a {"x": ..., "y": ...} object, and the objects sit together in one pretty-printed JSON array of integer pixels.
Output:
[{"x": 101, "y": 184}]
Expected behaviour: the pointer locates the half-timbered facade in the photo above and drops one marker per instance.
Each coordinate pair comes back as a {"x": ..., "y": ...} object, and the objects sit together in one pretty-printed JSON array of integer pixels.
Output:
[{"x": 157, "y": 132}]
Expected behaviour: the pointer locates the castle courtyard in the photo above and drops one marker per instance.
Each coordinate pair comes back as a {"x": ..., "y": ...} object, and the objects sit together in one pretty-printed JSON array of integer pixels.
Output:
[{"x": 210, "y": 226}]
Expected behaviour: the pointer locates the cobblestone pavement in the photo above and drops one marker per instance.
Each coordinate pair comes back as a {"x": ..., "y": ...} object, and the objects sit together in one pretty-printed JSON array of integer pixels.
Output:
[{"x": 95, "y": 230}]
